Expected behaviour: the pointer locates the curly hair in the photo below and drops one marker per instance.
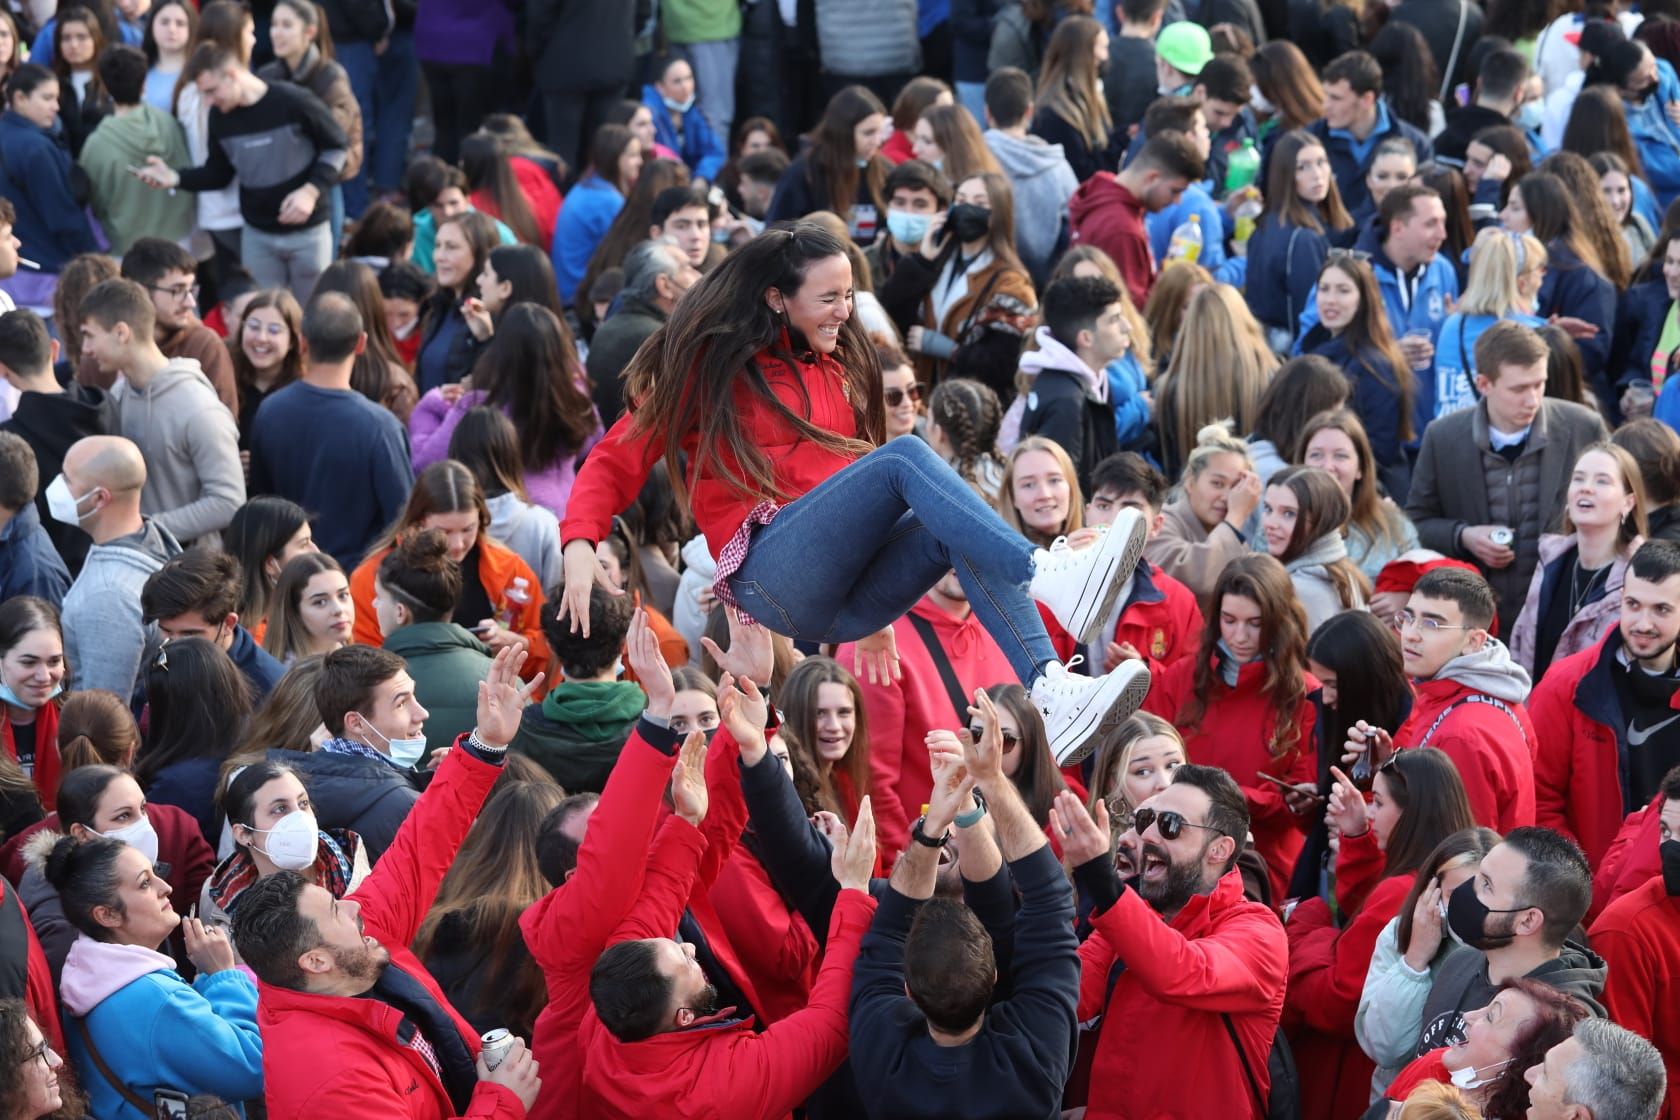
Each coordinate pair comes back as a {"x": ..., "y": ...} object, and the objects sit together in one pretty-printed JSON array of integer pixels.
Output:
[
  {"x": 1283, "y": 639},
  {"x": 15, "y": 1047}
]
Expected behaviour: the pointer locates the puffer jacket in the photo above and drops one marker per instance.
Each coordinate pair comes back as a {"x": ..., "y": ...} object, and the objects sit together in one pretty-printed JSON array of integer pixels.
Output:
[
  {"x": 1587, "y": 627},
  {"x": 868, "y": 38}
]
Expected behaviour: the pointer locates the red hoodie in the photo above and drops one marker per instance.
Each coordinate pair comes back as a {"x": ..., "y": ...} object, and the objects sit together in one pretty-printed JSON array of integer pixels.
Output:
[
  {"x": 611, "y": 478},
  {"x": 902, "y": 712},
  {"x": 1105, "y": 214},
  {"x": 1638, "y": 936},
  {"x": 1233, "y": 735}
]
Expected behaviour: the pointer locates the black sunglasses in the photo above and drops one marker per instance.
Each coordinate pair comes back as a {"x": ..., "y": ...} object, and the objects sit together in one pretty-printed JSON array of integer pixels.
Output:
[
  {"x": 1171, "y": 824},
  {"x": 895, "y": 397},
  {"x": 1011, "y": 739}
]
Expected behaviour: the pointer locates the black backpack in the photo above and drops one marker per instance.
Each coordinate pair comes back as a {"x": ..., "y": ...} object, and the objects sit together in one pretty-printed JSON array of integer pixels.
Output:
[{"x": 1285, "y": 1100}]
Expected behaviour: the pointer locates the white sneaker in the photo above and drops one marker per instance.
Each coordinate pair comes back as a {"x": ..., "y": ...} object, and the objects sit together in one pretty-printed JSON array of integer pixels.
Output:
[
  {"x": 1077, "y": 709},
  {"x": 1079, "y": 585}
]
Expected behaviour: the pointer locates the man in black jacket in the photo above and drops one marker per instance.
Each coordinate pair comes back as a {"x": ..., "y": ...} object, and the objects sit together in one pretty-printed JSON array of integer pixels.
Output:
[
  {"x": 656, "y": 275},
  {"x": 1499, "y": 94},
  {"x": 1084, "y": 329},
  {"x": 585, "y": 58}
]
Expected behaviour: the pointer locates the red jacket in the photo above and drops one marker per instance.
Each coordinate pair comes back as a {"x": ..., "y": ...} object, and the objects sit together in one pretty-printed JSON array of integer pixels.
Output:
[
  {"x": 1581, "y": 741},
  {"x": 567, "y": 928},
  {"x": 1632, "y": 858},
  {"x": 767, "y": 935},
  {"x": 341, "y": 1056},
  {"x": 902, "y": 712},
  {"x": 1327, "y": 967},
  {"x": 39, "y": 998},
  {"x": 1233, "y": 735},
  {"x": 611, "y": 478},
  {"x": 1109, "y": 216},
  {"x": 45, "y": 774},
  {"x": 1429, "y": 1067},
  {"x": 1492, "y": 758},
  {"x": 898, "y": 148},
  {"x": 1221, "y": 953},
  {"x": 181, "y": 847},
  {"x": 1162, "y": 621},
  {"x": 1638, "y": 936}
]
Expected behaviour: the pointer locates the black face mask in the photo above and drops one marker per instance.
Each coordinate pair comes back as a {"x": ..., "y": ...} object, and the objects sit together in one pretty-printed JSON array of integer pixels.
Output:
[
  {"x": 968, "y": 222},
  {"x": 1670, "y": 850},
  {"x": 1641, "y": 95},
  {"x": 1467, "y": 916}
]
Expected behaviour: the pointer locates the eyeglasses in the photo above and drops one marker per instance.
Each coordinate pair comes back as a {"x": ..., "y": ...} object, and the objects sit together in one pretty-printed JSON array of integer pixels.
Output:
[
  {"x": 1171, "y": 824},
  {"x": 1011, "y": 739},
  {"x": 179, "y": 292},
  {"x": 161, "y": 661},
  {"x": 1427, "y": 625},
  {"x": 895, "y": 397},
  {"x": 1358, "y": 255},
  {"x": 37, "y": 1052}
]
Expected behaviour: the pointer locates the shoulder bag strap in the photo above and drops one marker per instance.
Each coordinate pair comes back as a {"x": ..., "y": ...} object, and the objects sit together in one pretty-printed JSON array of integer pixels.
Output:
[
  {"x": 1248, "y": 1071},
  {"x": 1289, "y": 285},
  {"x": 948, "y": 675},
  {"x": 1452, "y": 60},
  {"x": 117, "y": 1083}
]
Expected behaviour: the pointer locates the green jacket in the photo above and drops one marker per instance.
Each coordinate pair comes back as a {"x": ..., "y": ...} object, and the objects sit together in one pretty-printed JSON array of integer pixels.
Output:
[
  {"x": 127, "y": 208},
  {"x": 579, "y": 729},
  {"x": 447, "y": 663},
  {"x": 701, "y": 21}
]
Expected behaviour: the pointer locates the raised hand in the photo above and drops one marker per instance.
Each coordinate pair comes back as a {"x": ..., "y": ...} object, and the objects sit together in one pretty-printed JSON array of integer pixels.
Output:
[
  {"x": 951, "y": 783},
  {"x": 878, "y": 653},
  {"x": 689, "y": 796},
  {"x": 583, "y": 572},
  {"x": 641, "y": 649},
  {"x": 854, "y": 857},
  {"x": 1348, "y": 811},
  {"x": 502, "y": 696},
  {"x": 207, "y": 946},
  {"x": 984, "y": 757},
  {"x": 1083, "y": 839},
  {"x": 751, "y": 653},
  {"x": 743, "y": 711},
  {"x": 1427, "y": 932}
]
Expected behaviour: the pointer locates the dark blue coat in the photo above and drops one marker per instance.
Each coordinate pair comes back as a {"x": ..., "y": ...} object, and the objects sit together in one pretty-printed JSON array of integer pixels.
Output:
[
  {"x": 35, "y": 177},
  {"x": 1375, "y": 397},
  {"x": 1283, "y": 264},
  {"x": 1571, "y": 288},
  {"x": 1640, "y": 312},
  {"x": 1350, "y": 163}
]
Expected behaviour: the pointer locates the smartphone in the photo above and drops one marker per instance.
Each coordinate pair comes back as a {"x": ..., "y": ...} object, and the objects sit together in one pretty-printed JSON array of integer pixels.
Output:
[
  {"x": 167, "y": 1104},
  {"x": 1289, "y": 786}
]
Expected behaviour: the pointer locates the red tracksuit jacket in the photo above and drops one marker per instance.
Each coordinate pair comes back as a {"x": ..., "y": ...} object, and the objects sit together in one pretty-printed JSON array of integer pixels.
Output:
[
  {"x": 1638, "y": 936},
  {"x": 1493, "y": 759}
]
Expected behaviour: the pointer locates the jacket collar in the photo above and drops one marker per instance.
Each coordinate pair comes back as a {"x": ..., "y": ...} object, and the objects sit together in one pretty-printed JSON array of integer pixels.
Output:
[{"x": 1205, "y": 910}]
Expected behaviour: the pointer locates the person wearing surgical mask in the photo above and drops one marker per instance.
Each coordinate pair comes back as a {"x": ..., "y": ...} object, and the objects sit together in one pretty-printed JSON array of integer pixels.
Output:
[
  {"x": 275, "y": 829},
  {"x": 97, "y": 800},
  {"x": 1650, "y": 95},
  {"x": 916, "y": 192},
  {"x": 677, "y": 124},
  {"x": 1489, "y": 1056},
  {"x": 32, "y": 673}
]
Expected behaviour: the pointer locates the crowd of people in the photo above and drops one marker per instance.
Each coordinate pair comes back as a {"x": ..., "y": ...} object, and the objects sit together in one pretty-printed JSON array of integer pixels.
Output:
[{"x": 863, "y": 558}]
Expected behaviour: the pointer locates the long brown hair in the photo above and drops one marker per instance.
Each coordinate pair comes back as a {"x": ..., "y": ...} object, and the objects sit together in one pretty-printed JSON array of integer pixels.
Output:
[
  {"x": 1287, "y": 80},
  {"x": 832, "y": 156},
  {"x": 1323, "y": 510},
  {"x": 287, "y": 636},
  {"x": 1598, "y": 224},
  {"x": 1427, "y": 787},
  {"x": 1259, "y": 578},
  {"x": 1554, "y": 216},
  {"x": 1634, "y": 525},
  {"x": 1168, "y": 301},
  {"x": 1283, "y": 200},
  {"x": 291, "y": 366},
  {"x": 95, "y": 728},
  {"x": 1037, "y": 777},
  {"x": 494, "y": 878},
  {"x": 685, "y": 377},
  {"x": 797, "y": 699},
  {"x": 1598, "y": 123},
  {"x": 1368, "y": 511},
  {"x": 530, "y": 370},
  {"x": 443, "y": 487},
  {"x": 1068, "y": 80},
  {"x": 1219, "y": 369},
  {"x": 958, "y": 137},
  {"x": 1368, "y": 333}
]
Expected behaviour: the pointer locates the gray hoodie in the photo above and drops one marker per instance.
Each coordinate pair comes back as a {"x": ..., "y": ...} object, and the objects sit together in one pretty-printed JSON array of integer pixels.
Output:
[
  {"x": 104, "y": 639},
  {"x": 1491, "y": 671},
  {"x": 1462, "y": 984},
  {"x": 1313, "y": 585},
  {"x": 194, "y": 481},
  {"x": 1043, "y": 182}
]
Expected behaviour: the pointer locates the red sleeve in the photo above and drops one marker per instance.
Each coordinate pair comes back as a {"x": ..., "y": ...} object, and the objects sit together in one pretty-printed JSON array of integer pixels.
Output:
[
  {"x": 610, "y": 480},
  {"x": 726, "y": 811},
  {"x": 1327, "y": 966},
  {"x": 396, "y": 896},
  {"x": 1265, "y": 801},
  {"x": 1631, "y": 985},
  {"x": 195, "y": 860},
  {"x": 771, "y": 940},
  {"x": 1359, "y": 866},
  {"x": 1132, "y": 257},
  {"x": 672, "y": 865},
  {"x": 1238, "y": 968},
  {"x": 1549, "y": 708}
]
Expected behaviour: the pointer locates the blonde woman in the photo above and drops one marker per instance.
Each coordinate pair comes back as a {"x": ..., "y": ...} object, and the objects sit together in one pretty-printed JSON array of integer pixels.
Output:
[
  {"x": 1072, "y": 110},
  {"x": 1040, "y": 496},
  {"x": 1169, "y": 298},
  {"x": 1219, "y": 369},
  {"x": 1506, "y": 271},
  {"x": 1202, "y": 528},
  {"x": 1134, "y": 762}
]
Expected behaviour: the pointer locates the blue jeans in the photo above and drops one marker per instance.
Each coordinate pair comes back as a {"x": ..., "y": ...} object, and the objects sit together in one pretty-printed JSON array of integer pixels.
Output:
[
  {"x": 385, "y": 87},
  {"x": 855, "y": 554}
]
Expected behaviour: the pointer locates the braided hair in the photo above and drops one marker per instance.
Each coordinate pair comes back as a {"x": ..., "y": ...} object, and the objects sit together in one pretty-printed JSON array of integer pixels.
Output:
[{"x": 971, "y": 415}]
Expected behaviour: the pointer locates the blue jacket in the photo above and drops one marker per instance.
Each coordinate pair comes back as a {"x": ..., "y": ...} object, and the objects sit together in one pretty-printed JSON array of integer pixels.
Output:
[
  {"x": 584, "y": 220},
  {"x": 1657, "y": 136},
  {"x": 1195, "y": 200},
  {"x": 1126, "y": 386},
  {"x": 1640, "y": 312},
  {"x": 1645, "y": 205},
  {"x": 156, "y": 1031},
  {"x": 1374, "y": 392},
  {"x": 1571, "y": 288},
  {"x": 1453, "y": 386},
  {"x": 36, "y": 180},
  {"x": 698, "y": 145},
  {"x": 258, "y": 665},
  {"x": 1283, "y": 264},
  {"x": 29, "y": 565},
  {"x": 1350, "y": 158},
  {"x": 1668, "y": 404}
]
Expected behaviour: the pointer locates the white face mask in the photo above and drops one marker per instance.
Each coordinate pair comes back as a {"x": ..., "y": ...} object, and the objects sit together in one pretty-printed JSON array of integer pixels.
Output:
[
  {"x": 1467, "y": 1079},
  {"x": 293, "y": 842},
  {"x": 62, "y": 504},
  {"x": 140, "y": 836}
]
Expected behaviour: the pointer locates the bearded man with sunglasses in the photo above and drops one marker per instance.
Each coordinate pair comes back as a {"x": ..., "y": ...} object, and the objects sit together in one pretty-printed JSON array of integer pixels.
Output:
[{"x": 1178, "y": 957}]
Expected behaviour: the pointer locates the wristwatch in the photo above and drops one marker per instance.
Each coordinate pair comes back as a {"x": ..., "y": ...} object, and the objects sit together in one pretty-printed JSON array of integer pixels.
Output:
[{"x": 924, "y": 839}]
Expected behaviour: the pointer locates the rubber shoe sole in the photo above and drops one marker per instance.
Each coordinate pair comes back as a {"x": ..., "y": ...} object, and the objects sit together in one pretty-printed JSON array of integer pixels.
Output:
[
  {"x": 1116, "y": 697},
  {"x": 1120, "y": 553}
]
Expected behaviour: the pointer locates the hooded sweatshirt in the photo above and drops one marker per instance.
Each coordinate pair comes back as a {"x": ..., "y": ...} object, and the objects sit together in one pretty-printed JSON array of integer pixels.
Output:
[
  {"x": 1462, "y": 985},
  {"x": 194, "y": 481},
  {"x": 1310, "y": 572},
  {"x": 698, "y": 571},
  {"x": 1043, "y": 182},
  {"x": 50, "y": 423},
  {"x": 579, "y": 729},
  {"x": 126, "y": 207},
  {"x": 155, "y": 1031},
  {"x": 1104, "y": 213},
  {"x": 104, "y": 637},
  {"x": 1490, "y": 743},
  {"x": 1068, "y": 402}
]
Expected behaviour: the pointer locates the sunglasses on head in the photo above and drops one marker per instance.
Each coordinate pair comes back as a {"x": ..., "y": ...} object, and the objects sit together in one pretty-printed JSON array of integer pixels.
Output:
[
  {"x": 1170, "y": 824},
  {"x": 895, "y": 397},
  {"x": 1011, "y": 739}
]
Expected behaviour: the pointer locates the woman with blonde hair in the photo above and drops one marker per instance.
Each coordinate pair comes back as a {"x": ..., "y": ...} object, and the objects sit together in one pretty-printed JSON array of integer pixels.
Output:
[
  {"x": 1040, "y": 497},
  {"x": 1072, "y": 110},
  {"x": 1218, "y": 371},
  {"x": 1575, "y": 597},
  {"x": 1164, "y": 310},
  {"x": 1377, "y": 529},
  {"x": 1129, "y": 374},
  {"x": 1506, "y": 271},
  {"x": 1134, "y": 762},
  {"x": 1202, "y": 528},
  {"x": 947, "y": 137}
]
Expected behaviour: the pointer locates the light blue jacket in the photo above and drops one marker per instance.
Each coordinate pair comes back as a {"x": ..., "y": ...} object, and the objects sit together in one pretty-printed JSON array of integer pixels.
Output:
[
  {"x": 588, "y": 213},
  {"x": 156, "y": 1031},
  {"x": 1126, "y": 386},
  {"x": 1194, "y": 200},
  {"x": 1657, "y": 136},
  {"x": 698, "y": 145},
  {"x": 1455, "y": 357}
]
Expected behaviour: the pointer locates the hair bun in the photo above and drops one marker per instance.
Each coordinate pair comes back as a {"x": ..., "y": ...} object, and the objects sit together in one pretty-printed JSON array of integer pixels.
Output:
[
  {"x": 60, "y": 867},
  {"x": 1216, "y": 434},
  {"x": 425, "y": 550}
]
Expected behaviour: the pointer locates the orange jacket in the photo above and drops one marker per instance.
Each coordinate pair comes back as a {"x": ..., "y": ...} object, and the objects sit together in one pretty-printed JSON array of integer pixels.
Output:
[{"x": 498, "y": 567}]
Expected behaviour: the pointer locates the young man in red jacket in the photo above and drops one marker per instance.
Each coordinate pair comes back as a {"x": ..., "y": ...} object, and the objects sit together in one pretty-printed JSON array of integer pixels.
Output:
[
  {"x": 1108, "y": 209},
  {"x": 352, "y": 1023},
  {"x": 1608, "y": 718},
  {"x": 1469, "y": 697},
  {"x": 1639, "y": 937},
  {"x": 1184, "y": 958}
]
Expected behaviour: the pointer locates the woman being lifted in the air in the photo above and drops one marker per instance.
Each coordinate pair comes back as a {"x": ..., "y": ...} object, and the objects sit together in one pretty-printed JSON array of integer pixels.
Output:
[{"x": 771, "y": 390}]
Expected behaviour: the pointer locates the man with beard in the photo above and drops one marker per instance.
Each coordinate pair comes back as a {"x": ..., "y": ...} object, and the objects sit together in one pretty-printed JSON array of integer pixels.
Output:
[
  {"x": 1608, "y": 718},
  {"x": 1515, "y": 916},
  {"x": 1183, "y": 957},
  {"x": 352, "y": 1023}
]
